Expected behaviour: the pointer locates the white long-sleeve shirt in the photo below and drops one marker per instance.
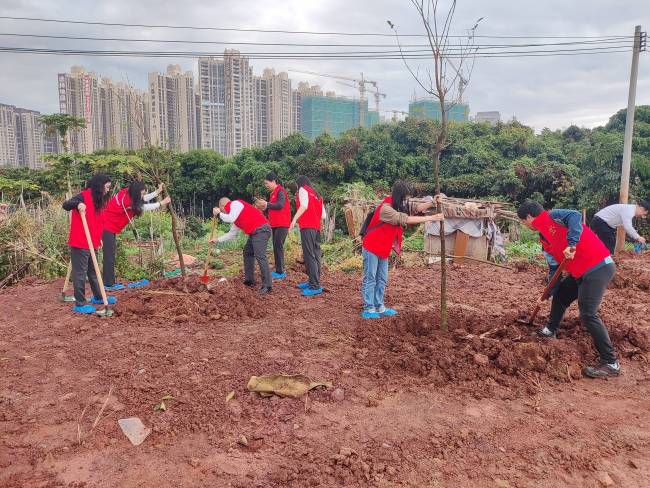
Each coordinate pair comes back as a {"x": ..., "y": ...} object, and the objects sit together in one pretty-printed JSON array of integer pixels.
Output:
[
  {"x": 230, "y": 217},
  {"x": 620, "y": 214},
  {"x": 303, "y": 200},
  {"x": 150, "y": 206}
]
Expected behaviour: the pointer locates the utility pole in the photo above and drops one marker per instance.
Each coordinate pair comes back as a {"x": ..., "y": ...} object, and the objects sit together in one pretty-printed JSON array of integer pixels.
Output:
[{"x": 629, "y": 131}]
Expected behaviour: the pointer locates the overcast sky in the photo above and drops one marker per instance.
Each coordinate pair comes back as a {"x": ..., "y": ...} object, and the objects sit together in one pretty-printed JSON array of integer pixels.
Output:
[{"x": 552, "y": 92}]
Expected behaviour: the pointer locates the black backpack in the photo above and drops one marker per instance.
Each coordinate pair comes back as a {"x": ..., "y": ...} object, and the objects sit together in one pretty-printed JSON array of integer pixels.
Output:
[{"x": 366, "y": 223}]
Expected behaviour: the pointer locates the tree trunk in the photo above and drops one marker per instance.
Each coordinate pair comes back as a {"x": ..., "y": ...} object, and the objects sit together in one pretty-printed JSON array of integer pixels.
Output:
[
  {"x": 177, "y": 241},
  {"x": 443, "y": 247}
]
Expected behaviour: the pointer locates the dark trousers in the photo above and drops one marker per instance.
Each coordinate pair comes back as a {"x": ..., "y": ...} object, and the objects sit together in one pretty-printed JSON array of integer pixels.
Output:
[
  {"x": 605, "y": 233},
  {"x": 82, "y": 266},
  {"x": 589, "y": 291},
  {"x": 109, "y": 241},
  {"x": 255, "y": 249},
  {"x": 279, "y": 236},
  {"x": 310, "y": 240}
]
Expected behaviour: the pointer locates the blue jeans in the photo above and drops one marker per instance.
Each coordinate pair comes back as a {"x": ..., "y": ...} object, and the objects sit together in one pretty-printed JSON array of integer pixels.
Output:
[{"x": 375, "y": 277}]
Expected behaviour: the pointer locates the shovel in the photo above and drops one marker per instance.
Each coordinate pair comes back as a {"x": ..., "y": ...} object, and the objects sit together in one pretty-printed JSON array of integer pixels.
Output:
[
  {"x": 545, "y": 294},
  {"x": 205, "y": 278},
  {"x": 66, "y": 283},
  {"x": 106, "y": 312}
]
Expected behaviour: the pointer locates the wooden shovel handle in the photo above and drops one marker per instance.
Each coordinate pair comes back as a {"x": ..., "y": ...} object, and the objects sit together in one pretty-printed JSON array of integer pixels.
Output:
[
  {"x": 207, "y": 259},
  {"x": 94, "y": 257},
  {"x": 554, "y": 278}
]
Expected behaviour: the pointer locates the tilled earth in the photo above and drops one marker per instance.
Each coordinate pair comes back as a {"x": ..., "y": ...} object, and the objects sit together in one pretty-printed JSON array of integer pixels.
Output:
[{"x": 483, "y": 404}]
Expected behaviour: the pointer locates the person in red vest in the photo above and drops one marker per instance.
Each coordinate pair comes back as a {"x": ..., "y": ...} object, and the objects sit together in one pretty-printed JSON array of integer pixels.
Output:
[
  {"x": 589, "y": 265},
  {"x": 383, "y": 235},
  {"x": 309, "y": 215},
  {"x": 91, "y": 202},
  {"x": 278, "y": 210},
  {"x": 126, "y": 204},
  {"x": 243, "y": 216}
]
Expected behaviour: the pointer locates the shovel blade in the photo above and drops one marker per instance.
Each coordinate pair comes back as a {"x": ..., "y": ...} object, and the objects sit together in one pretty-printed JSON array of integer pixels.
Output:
[
  {"x": 105, "y": 312},
  {"x": 205, "y": 279}
]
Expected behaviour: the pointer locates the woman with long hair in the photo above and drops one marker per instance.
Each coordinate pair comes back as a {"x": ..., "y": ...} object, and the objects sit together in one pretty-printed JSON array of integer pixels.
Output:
[
  {"x": 91, "y": 201},
  {"x": 278, "y": 210},
  {"x": 122, "y": 208},
  {"x": 309, "y": 216},
  {"x": 383, "y": 235}
]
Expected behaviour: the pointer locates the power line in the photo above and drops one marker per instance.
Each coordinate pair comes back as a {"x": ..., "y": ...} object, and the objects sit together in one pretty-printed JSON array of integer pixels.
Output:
[
  {"x": 297, "y": 56},
  {"x": 279, "y": 31},
  {"x": 293, "y": 44}
]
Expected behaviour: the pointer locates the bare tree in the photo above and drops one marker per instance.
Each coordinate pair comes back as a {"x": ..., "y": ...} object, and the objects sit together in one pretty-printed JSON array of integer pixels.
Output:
[{"x": 453, "y": 62}]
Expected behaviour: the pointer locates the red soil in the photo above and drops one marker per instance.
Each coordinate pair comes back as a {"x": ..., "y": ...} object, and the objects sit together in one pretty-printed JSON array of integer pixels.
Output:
[{"x": 484, "y": 404}]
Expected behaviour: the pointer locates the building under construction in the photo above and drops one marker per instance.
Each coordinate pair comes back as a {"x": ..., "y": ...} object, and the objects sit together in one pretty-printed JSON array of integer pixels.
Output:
[
  {"x": 333, "y": 115},
  {"x": 430, "y": 109}
]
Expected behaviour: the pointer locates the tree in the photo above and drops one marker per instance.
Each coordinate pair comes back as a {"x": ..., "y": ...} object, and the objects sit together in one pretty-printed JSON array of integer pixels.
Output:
[
  {"x": 61, "y": 125},
  {"x": 444, "y": 88}
]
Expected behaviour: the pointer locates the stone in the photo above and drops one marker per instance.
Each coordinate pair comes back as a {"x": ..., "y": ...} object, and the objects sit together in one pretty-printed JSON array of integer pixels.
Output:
[
  {"x": 346, "y": 451},
  {"x": 481, "y": 359},
  {"x": 338, "y": 395},
  {"x": 604, "y": 479},
  {"x": 134, "y": 430},
  {"x": 67, "y": 396},
  {"x": 194, "y": 462}
]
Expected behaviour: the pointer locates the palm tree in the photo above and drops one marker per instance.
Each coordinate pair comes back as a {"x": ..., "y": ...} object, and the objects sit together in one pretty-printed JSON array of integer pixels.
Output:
[{"x": 62, "y": 124}]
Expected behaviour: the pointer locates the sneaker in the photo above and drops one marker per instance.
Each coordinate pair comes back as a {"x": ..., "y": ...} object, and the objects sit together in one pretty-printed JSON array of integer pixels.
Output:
[
  {"x": 388, "y": 312},
  {"x": 602, "y": 370},
  {"x": 115, "y": 287},
  {"x": 303, "y": 286},
  {"x": 85, "y": 309},
  {"x": 547, "y": 333},
  {"x": 265, "y": 290},
  {"x": 138, "y": 284},
  {"x": 310, "y": 292},
  {"x": 99, "y": 301},
  {"x": 279, "y": 276},
  {"x": 370, "y": 314}
]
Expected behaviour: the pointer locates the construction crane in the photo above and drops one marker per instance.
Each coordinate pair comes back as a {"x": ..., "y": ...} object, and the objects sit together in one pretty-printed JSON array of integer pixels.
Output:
[
  {"x": 378, "y": 95},
  {"x": 360, "y": 84}
]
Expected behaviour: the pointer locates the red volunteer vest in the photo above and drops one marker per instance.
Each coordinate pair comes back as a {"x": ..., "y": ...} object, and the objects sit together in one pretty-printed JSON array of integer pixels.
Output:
[
  {"x": 282, "y": 217},
  {"x": 77, "y": 237},
  {"x": 589, "y": 251},
  {"x": 382, "y": 237},
  {"x": 118, "y": 212},
  {"x": 250, "y": 219},
  {"x": 311, "y": 219}
]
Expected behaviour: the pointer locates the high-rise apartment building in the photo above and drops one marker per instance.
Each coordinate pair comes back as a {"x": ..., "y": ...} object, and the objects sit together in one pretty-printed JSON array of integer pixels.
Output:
[
  {"x": 238, "y": 77},
  {"x": 492, "y": 117},
  {"x": 333, "y": 115},
  {"x": 172, "y": 123},
  {"x": 212, "y": 108},
  {"x": 23, "y": 138},
  {"x": 8, "y": 150},
  {"x": 430, "y": 109},
  {"x": 279, "y": 103},
  {"x": 260, "y": 111},
  {"x": 123, "y": 110},
  {"x": 79, "y": 95}
]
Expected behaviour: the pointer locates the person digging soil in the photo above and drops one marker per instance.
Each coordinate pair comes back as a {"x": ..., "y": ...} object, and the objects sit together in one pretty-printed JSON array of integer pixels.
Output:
[
  {"x": 242, "y": 215},
  {"x": 91, "y": 201},
  {"x": 591, "y": 268},
  {"x": 128, "y": 203}
]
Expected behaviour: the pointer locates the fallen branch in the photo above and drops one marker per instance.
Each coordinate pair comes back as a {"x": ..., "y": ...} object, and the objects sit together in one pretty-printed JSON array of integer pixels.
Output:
[{"x": 462, "y": 257}]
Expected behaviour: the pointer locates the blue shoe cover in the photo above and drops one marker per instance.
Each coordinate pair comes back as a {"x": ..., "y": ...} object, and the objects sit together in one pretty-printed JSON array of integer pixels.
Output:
[
  {"x": 85, "y": 309},
  {"x": 115, "y": 287},
  {"x": 303, "y": 286},
  {"x": 98, "y": 301},
  {"x": 310, "y": 293},
  {"x": 138, "y": 284},
  {"x": 370, "y": 315},
  {"x": 388, "y": 312},
  {"x": 279, "y": 276}
]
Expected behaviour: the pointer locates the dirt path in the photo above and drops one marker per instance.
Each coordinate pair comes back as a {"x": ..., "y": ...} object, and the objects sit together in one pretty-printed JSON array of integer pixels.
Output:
[{"x": 485, "y": 404}]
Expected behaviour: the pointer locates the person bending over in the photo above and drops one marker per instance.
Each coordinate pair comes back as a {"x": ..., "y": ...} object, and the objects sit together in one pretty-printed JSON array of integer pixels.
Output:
[
  {"x": 606, "y": 221},
  {"x": 589, "y": 264},
  {"x": 243, "y": 216}
]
